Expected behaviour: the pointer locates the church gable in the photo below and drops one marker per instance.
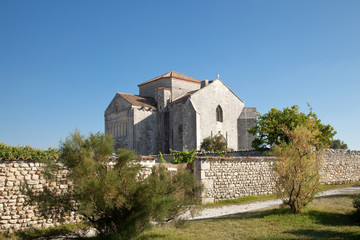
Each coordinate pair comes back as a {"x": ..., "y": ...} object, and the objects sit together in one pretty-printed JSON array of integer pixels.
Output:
[
  {"x": 219, "y": 109},
  {"x": 218, "y": 88}
]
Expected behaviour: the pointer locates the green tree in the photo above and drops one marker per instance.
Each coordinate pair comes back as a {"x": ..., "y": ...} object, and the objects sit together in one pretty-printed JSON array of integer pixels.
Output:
[
  {"x": 297, "y": 165},
  {"x": 338, "y": 144},
  {"x": 214, "y": 144},
  {"x": 111, "y": 194},
  {"x": 270, "y": 130}
]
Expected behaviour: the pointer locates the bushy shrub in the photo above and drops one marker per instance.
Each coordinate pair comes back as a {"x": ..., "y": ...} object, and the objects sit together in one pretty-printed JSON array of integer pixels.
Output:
[
  {"x": 111, "y": 194},
  {"x": 214, "y": 144},
  {"x": 297, "y": 166}
]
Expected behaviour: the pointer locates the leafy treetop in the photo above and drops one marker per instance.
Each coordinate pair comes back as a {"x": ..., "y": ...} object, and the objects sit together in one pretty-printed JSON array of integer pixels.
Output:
[{"x": 269, "y": 129}]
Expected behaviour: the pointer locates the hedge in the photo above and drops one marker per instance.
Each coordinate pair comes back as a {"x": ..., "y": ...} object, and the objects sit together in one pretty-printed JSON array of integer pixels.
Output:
[{"x": 26, "y": 153}]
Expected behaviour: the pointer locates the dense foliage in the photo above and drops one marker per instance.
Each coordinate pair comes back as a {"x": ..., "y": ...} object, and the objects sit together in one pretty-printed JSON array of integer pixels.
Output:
[
  {"x": 26, "y": 153},
  {"x": 183, "y": 156},
  {"x": 338, "y": 144},
  {"x": 112, "y": 194},
  {"x": 214, "y": 144},
  {"x": 297, "y": 166},
  {"x": 269, "y": 129}
]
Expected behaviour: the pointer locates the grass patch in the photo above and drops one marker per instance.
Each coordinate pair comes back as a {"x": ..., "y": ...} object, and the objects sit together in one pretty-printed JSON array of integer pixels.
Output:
[
  {"x": 325, "y": 218},
  {"x": 45, "y": 233}
]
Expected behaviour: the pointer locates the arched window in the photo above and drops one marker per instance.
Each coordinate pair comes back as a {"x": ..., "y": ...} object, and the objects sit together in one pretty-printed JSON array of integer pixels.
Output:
[{"x": 219, "y": 114}]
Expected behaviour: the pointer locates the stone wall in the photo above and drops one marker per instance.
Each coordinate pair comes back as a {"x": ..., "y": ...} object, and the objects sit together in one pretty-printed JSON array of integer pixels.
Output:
[
  {"x": 239, "y": 176},
  {"x": 230, "y": 178},
  {"x": 340, "y": 166},
  {"x": 15, "y": 213}
]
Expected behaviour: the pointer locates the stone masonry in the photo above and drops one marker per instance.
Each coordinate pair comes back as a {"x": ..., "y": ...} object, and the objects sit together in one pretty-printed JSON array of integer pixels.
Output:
[
  {"x": 234, "y": 177},
  {"x": 340, "y": 166},
  {"x": 231, "y": 178},
  {"x": 15, "y": 213}
]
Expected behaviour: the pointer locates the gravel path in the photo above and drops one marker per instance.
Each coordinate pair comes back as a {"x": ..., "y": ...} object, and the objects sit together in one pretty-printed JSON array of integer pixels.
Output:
[{"x": 240, "y": 208}]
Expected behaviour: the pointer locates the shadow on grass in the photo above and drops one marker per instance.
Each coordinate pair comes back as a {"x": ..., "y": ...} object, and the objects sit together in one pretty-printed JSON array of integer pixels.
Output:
[
  {"x": 323, "y": 234},
  {"x": 143, "y": 236},
  {"x": 337, "y": 196},
  {"x": 332, "y": 219},
  {"x": 46, "y": 234}
]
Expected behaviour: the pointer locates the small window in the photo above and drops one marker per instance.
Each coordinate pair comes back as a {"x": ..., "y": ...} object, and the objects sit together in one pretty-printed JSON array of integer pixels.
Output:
[{"x": 219, "y": 114}]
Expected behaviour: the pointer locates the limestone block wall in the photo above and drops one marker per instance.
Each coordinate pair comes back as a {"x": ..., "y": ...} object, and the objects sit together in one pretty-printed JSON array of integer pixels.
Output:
[
  {"x": 230, "y": 178},
  {"x": 239, "y": 176},
  {"x": 14, "y": 213},
  {"x": 340, "y": 166}
]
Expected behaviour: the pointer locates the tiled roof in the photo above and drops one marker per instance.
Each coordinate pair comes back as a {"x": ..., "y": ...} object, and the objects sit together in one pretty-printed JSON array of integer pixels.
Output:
[
  {"x": 136, "y": 100},
  {"x": 172, "y": 74},
  {"x": 184, "y": 97}
]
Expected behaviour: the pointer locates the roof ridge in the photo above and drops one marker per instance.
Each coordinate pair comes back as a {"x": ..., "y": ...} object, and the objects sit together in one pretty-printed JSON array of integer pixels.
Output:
[{"x": 172, "y": 74}]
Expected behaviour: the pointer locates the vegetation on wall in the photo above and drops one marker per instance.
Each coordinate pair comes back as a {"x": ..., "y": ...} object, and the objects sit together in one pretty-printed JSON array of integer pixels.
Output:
[
  {"x": 183, "y": 156},
  {"x": 269, "y": 129},
  {"x": 338, "y": 144},
  {"x": 298, "y": 165},
  {"x": 26, "y": 153},
  {"x": 115, "y": 198},
  {"x": 214, "y": 144}
]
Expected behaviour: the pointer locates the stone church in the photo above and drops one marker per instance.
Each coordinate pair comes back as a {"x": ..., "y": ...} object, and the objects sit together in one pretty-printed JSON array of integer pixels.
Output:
[{"x": 174, "y": 111}]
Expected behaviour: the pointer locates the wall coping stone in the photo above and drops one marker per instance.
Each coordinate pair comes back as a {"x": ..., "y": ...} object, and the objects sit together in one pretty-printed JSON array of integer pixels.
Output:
[{"x": 231, "y": 158}]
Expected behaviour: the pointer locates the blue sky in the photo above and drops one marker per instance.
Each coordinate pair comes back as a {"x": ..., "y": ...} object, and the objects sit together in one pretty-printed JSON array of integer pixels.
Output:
[{"x": 61, "y": 62}]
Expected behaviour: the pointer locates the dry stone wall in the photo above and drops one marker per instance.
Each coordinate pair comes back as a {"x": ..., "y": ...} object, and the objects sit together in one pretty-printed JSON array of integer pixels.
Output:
[
  {"x": 15, "y": 213},
  {"x": 340, "y": 166},
  {"x": 230, "y": 178},
  {"x": 239, "y": 176}
]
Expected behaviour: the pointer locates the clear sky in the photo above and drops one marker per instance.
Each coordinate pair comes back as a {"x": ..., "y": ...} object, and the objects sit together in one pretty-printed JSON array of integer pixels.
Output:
[{"x": 61, "y": 62}]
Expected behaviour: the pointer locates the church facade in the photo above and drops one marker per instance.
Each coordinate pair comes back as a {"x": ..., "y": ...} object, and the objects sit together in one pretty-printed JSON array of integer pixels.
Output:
[{"x": 174, "y": 111}]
